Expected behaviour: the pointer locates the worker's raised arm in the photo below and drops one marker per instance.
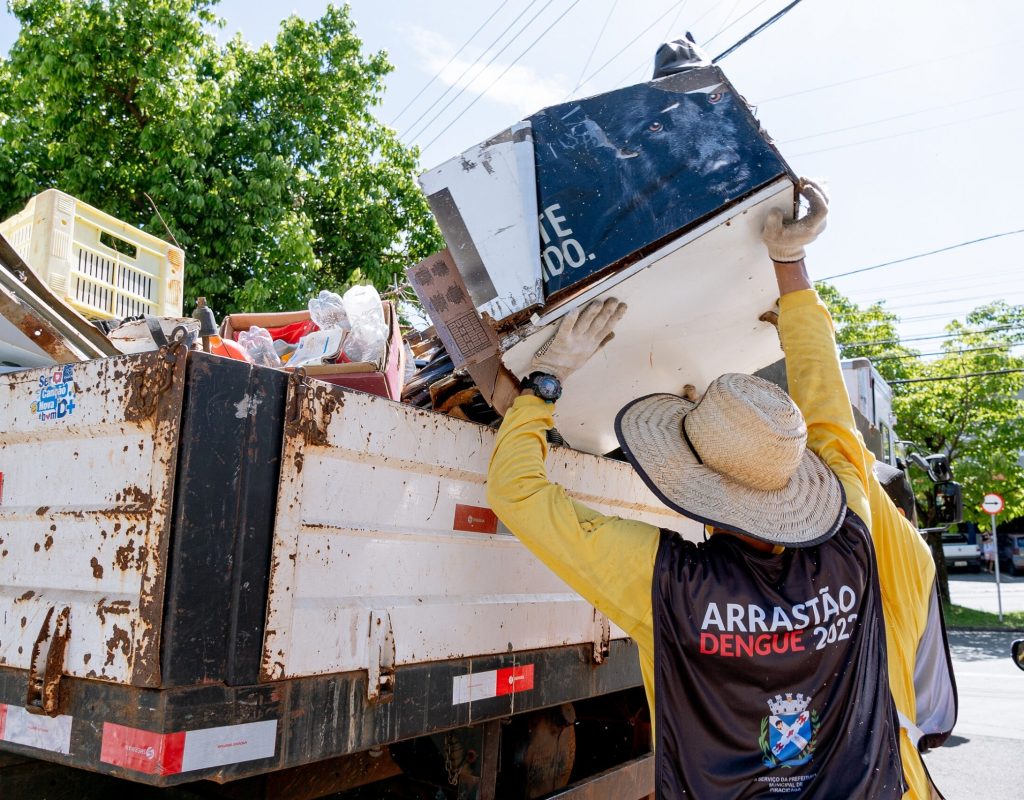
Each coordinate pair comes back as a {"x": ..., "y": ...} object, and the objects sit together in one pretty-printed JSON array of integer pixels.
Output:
[
  {"x": 607, "y": 560},
  {"x": 812, "y": 362}
]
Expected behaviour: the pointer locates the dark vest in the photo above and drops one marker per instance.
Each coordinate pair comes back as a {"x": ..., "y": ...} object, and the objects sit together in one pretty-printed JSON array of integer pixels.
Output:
[{"x": 770, "y": 672}]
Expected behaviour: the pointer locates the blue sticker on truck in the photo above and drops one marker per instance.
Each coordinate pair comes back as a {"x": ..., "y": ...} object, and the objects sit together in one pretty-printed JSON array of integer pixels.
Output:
[{"x": 56, "y": 398}]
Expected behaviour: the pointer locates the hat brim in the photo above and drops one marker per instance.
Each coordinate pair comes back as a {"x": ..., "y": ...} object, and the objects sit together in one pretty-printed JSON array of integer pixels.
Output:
[{"x": 806, "y": 511}]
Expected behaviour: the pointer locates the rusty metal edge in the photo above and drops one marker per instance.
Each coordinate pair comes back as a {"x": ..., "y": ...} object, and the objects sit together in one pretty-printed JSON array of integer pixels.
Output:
[
  {"x": 145, "y": 669},
  {"x": 71, "y": 325},
  {"x": 45, "y": 336}
]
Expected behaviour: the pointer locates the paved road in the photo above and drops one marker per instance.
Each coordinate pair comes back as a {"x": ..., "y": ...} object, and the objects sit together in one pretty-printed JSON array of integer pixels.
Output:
[
  {"x": 975, "y": 590},
  {"x": 984, "y": 759}
]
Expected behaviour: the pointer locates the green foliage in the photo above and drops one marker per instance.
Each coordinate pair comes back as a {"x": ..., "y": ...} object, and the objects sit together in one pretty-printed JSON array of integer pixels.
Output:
[
  {"x": 266, "y": 163},
  {"x": 978, "y": 422},
  {"x": 962, "y": 617},
  {"x": 868, "y": 333}
]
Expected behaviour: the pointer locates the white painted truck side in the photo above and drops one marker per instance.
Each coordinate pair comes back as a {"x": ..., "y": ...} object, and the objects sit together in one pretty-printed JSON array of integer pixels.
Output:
[
  {"x": 384, "y": 540},
  {"x": 87, "y": 460}
]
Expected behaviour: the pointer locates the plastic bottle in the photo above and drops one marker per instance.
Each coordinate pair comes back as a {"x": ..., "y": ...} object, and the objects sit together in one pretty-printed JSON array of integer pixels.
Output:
[
  {"x": 228, "y": 349},
  {"x": 259, "y": 344},
  {"x": 369, "y": 330},
  {"x": 328, "y": 311}
]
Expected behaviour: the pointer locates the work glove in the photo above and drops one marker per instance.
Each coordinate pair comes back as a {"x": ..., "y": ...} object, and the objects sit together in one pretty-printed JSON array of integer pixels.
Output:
[
  {"x": 580, "y": 334},
  {"x": 786, "y": 240}
]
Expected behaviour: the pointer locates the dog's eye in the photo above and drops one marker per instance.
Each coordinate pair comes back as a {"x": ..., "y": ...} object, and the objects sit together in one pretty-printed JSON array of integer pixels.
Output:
[
  {"x": 654, "y": 127},
  {"x": 714, "y": 97}
]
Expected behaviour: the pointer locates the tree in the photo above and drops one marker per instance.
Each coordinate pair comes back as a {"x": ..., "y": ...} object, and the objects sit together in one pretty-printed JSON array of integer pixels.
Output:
[
  {"x": 266, "y": 163},
  {"x": 870, "y": 333},
  {"x": 977, "y": 422}
]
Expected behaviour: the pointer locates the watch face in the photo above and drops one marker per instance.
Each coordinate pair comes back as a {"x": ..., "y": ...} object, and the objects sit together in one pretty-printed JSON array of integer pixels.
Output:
[{"x": 548, "y": 387}]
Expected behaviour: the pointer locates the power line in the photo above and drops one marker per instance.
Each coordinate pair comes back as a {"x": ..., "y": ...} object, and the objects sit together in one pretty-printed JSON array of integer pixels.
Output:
[
  {"x": 921, "y": 255},
  {"x": 739, "y": 19},
  {"x": 956, "y": 55},
  {"x": 440, "y": 72},
  {"x": 908, "y": 133},
  {"x": 409, "y": 134},
  {"x": 930, "y": 303},
  {"x": 645, "y": 65},
  {"x": 900, "y": 116},
  {"x": 597, "y": 41},
  {"x": 767, "y": 23},
  {"x": 950, "y": 283},
  {"x": 943, "y": 353},
  {"x": 675, "y": 19},
  {"x": 957, "y": 377},
  {"x": 1017, "y": 326},
  {"x": 543, "y": 33},
  {"x": 622, "y": 50}
]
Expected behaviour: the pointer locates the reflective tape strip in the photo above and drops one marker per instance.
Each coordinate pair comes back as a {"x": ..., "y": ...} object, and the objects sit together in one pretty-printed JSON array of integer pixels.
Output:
[
  {"x": 495, "y": 683},
  {"x": 18, "y": 726},
  {"x": 186, "y": 751}
]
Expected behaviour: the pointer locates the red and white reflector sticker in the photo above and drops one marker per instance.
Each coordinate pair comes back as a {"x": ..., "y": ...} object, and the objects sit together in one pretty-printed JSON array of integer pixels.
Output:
[
  {"x": 18, "y": 726},
  {"x": 185, "y": 751},
  {"x": 497, "y": 682}
]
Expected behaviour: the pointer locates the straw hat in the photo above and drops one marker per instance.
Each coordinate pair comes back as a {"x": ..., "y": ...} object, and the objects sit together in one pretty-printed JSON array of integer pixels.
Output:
[{"x": 737, "y": 459}]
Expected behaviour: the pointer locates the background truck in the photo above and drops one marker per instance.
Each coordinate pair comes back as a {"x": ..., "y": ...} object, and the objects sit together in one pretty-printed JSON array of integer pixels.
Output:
[{"x": 959, "y": 552}]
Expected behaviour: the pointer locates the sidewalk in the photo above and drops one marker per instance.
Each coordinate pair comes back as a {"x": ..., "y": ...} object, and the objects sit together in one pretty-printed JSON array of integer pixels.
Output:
[{"x": 978, "y": 591}]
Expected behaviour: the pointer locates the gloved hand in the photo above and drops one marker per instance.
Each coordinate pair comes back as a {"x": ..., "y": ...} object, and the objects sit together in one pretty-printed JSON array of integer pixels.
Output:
[
  {"x": 580, "y": 334},
  {"x": 786, "y": 240}
]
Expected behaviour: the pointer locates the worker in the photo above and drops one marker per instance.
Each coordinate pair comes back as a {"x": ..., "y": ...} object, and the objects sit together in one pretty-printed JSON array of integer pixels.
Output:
[{"x": 778, "y": 654}]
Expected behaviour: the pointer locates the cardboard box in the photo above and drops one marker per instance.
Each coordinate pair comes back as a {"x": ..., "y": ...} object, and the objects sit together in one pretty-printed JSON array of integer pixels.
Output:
[{"x": 383, "y": 377}]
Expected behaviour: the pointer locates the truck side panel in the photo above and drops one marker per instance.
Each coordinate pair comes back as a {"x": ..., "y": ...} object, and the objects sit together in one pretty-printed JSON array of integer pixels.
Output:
[
  {"x": 384, "y": 539},
  {"x": 88, "y": 460}
]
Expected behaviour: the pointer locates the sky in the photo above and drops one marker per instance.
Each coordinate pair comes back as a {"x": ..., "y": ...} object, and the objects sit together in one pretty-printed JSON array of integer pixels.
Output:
[{"x": 911, "y": 111}]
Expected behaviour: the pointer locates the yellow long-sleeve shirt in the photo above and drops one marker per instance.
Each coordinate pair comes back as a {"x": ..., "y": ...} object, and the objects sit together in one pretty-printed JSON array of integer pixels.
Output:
[{"x": 610, "y": 561}]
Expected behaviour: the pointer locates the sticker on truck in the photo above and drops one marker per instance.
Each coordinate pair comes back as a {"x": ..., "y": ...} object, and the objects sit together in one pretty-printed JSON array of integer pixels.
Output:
[
  {"x": 18, "y": 726},
  {"x": 495, "y": 683},
  {"x": 56, "y": 396},
  {"x": 186, "y": 751}
]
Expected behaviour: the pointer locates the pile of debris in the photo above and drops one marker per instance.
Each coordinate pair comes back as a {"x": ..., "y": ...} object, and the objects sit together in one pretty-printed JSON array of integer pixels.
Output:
[{"x": 653, "y": 194}]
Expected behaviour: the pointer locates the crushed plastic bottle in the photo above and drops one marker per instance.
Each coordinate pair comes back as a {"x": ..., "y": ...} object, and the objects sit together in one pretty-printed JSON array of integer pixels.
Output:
[
  {"x": 259, "y": 344},
  {"x": 329, "y": 312},
  {"x": 369, "y": 332}
]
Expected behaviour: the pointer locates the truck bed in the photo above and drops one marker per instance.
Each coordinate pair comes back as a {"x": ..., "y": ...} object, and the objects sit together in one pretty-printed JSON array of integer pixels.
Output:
[{"x": 195, "y": 552}]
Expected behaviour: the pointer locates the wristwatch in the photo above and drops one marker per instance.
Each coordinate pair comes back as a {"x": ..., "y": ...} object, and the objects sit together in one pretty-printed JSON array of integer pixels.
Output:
[{"x": 547, "y": 387}]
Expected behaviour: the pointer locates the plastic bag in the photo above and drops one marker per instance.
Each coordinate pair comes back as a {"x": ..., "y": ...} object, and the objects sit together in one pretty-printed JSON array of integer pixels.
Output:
[
  {"x": 259, "y": 344},
  {"x": 329, "y": 312},
  {"x": 369, "y": 330}
]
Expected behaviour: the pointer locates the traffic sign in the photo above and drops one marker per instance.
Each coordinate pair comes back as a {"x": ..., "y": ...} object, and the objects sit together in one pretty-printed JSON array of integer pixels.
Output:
[{"x": 992, "y": 504}]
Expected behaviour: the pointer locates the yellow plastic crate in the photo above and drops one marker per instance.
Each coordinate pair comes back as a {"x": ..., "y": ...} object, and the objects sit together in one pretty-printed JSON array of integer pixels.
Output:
[{"x": 102, "y": 267}]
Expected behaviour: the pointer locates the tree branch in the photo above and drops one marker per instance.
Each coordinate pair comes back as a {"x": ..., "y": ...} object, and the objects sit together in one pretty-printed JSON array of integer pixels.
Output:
[{"x": 127, "y": 97}]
